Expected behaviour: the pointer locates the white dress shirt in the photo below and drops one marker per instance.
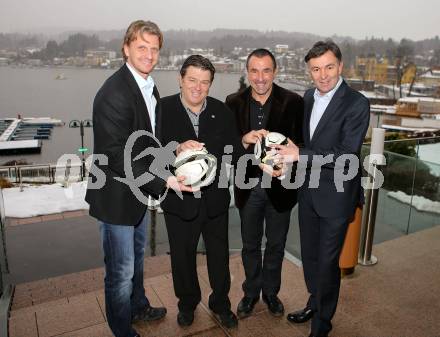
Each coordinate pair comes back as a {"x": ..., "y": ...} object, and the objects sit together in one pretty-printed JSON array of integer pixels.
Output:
[
  {"x": 146, "y": 86},
  {"x": 321, "y": 103}
]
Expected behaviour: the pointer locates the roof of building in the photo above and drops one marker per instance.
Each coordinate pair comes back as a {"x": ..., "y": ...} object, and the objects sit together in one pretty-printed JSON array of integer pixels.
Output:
[
  {"x": 372, "y": 94},
  {"x": 20, "y": 144},
  {"x": 418, "y": 99},
  {"x": 431, "y": 74}
]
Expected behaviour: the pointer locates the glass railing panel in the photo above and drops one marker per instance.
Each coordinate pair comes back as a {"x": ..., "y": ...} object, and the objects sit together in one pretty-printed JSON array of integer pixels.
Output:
[
  {"x": 235, "y": 242},
  {"x": 425, "y": 199},
  {"x": 392, "y": 215},
  {"x": 293, "y": 242}
]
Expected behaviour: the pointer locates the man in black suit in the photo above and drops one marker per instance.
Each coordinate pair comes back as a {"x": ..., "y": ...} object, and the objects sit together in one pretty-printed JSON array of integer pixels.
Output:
[
  {"x": 125, "y": 104},
  {"x": 264, "y": 105},
  {"x": 336, "y": 120},
  {"x": 195, "y": 120}
]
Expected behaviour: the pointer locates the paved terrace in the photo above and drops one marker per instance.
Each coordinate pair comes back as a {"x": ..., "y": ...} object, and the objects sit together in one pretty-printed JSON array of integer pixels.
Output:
[{"x": 400, "y": 296}]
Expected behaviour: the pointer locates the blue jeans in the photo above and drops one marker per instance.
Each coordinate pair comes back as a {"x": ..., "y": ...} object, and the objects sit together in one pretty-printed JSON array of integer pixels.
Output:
[{"x": 124, "y": 248}]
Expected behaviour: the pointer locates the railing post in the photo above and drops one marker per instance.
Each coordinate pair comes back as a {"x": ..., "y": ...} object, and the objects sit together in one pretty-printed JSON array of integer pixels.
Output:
[
  {"x": 51, "y": 174},
  {"x": 369, "y": 219},
  {"x": 67, "y": 173},
  {"x": 6, "y": 288},
  {"x": 20, "y": 181},
  {"x": 368, "y": 224},
  {"x": 152, "y": 206}
]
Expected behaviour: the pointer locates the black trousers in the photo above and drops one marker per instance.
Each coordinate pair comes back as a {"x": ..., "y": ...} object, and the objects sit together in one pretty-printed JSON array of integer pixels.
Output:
[
  {"x": 262, "y": 275},
  {"x": 183, "y": 237},
  {"x": 321, "y": 244}
]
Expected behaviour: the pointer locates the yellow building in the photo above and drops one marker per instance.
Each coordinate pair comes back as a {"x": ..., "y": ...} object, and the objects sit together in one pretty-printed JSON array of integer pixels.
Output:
[
  {"x": 408, "y": 73},
  {"x": 371, "y": 69}
]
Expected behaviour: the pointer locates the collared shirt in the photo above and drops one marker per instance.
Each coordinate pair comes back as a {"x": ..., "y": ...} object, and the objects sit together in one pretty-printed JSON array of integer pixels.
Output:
[
  {"x": 259, "y": 113},
  {"x": 319, "y": 106},
  {"x": 194, "y": 116},
  {"x": 146, "y": 86}
]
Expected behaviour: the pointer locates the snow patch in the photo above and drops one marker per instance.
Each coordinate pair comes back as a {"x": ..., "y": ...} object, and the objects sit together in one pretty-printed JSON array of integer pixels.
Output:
[
  {"x": 418, "y": 202},
  {"x": 44, "y": 199}
]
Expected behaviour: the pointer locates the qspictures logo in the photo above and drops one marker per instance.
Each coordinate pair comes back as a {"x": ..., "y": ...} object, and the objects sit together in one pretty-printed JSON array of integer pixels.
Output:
[{"x": 311, "y": 170}]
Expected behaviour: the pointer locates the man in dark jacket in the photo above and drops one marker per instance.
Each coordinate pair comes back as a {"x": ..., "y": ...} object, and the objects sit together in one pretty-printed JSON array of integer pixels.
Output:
[
  {"x": 336, "y": 121},
  {"x": 264, "y": 105},
  {"x": 125, "y": 104},
  {"x": 195, "y": 120}
]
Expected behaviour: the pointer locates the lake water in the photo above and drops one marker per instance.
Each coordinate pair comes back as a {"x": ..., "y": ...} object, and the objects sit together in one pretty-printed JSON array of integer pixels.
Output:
[{"x": 34, "y": 92}]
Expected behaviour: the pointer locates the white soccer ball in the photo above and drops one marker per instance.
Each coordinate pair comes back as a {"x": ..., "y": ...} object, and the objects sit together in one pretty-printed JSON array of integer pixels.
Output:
[
  {"x": 198, "y": 166},
  {"x": 262, "y": 150}
]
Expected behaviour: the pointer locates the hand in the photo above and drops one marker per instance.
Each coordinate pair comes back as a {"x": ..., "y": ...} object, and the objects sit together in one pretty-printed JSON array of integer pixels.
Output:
[
  {"x": 252, "y": 137},
  {"x": 176, "y": 183},
  {"x": 189, "y": 145},
  {"x": 271, "y": 170},
  {"x": 286, "y": 153}
]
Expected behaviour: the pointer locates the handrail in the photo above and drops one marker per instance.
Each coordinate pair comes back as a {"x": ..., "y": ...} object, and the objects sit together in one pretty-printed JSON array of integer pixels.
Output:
[
  {"x": 36, "y": 165},
  {"x": 406, "y": 140},
  {"x": 38, "y": 172}
]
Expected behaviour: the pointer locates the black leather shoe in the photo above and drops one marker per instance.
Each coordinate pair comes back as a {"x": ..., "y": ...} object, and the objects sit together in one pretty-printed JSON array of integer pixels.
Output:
[
  {"x": 246, "y": 306},
  {"x": 300, "y": 316},
  {"x": 149, "y": 314},
  {"x": 312, "y": 335},
  {"x": 228, "y": 319},
  {"x": 275, "y": 306},
  {"x": 185, "y": 318}
]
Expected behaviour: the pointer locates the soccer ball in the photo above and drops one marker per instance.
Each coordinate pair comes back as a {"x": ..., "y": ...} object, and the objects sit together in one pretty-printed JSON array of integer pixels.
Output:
[
  {"x": 198, "y": 166},
  {"x": 262, "y": 149}
]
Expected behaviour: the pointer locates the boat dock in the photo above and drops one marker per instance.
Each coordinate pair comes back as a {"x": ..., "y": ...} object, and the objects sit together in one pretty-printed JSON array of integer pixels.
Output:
[{"x": 24, "y": 135}]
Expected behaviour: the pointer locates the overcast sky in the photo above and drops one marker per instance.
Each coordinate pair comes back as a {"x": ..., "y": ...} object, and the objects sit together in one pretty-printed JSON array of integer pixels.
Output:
[{"x": 380, "y": 18}]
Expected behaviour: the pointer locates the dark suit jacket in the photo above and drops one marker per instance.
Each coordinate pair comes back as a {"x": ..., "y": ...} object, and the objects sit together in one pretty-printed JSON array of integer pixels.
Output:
[
  {"x": 217, "y": 128},
  {"x": 286, "y": 117},
  {"x": 340, "y": 131},
  {"x": 119, "y": 110}
]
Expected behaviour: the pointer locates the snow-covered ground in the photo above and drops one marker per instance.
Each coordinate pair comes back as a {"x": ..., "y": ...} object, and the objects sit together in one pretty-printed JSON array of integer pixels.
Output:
[
  {"x": 44, "y": 199},
  {"x": 418, "y": 202}
]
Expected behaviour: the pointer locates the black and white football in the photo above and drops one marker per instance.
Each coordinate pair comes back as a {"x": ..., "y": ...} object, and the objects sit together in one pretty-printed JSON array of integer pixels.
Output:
[
  {"x": 262, "y": 149},
  {"x": 198, "y": 167}
]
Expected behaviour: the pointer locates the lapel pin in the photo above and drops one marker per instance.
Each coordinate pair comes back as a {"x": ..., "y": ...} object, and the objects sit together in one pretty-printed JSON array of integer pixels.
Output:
[{"x": 212, "y": 116}]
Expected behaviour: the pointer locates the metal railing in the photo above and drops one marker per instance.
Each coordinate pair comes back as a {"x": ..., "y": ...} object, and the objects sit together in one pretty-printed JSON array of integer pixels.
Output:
[{"x": 43, "y": 173}]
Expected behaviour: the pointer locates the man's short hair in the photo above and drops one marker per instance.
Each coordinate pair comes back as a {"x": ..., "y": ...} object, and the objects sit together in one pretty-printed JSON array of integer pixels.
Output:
[
  {"x": 197, "y": 61},
  {"x": 140, "y": 27},
  {"x": 261, "y": 52},
  {"x": 321, "y": 47}
]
